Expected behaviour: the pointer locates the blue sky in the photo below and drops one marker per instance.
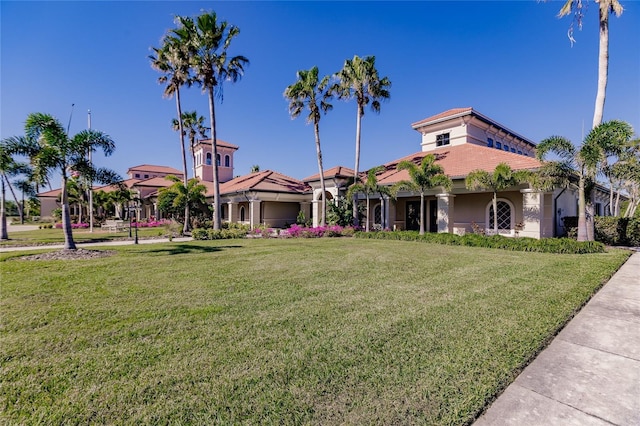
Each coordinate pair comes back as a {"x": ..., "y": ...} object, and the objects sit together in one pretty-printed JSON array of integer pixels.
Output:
[{"x": 510, "y": 60}]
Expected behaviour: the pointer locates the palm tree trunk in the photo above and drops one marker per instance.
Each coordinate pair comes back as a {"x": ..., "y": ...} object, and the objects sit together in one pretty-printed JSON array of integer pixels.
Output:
[
  {"x": 421, "y": 213},
  {"x": 582, "y": 217},
  {"x": 323, "y": 218},
  {"x": 357, "y": 166},
  {"x": 185, "y": 178},
  {"x": 216, "y": 184},
  {"x": 368, "y": 213},
  {"x": 611, "y": 191},
  {"x": 3, "y": 216},
  {"x": 69, "y": 244},
  {"x": 13, "y": 194},
  {"x": 603, "y": 66}
]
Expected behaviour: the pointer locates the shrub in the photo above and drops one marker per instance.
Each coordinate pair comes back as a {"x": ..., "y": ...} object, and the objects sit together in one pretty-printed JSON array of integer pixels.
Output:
[{"x": 219, "y": 234}]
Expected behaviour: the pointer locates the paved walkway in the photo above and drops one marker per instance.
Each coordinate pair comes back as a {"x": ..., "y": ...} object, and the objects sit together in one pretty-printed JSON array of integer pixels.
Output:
[
  {"x": 590, "y": 373},
  {"x": 101, "y": 244}
]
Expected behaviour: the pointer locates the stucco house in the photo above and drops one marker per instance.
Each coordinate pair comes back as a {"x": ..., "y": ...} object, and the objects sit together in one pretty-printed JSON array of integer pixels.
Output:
[{"x": 461, "y": 139}]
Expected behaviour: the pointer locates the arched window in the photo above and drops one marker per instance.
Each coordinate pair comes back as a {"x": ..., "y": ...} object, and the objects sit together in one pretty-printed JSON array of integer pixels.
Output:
[
  {"x": 377, "y": 215},
  {"x": 218, "y": 159},
  {"x": 208, "y": 161},
  {"x": 504, "y": 216},
  {"x": 226, "y": 160},
  {"x": 242, "y": 214}
]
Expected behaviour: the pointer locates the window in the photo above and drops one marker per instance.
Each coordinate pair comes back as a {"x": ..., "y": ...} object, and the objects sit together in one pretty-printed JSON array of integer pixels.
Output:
[
  {"x": 242, "y": 214},
  {"x": 218, "y": 160},
  {"x": 505, "y": 216},
  {"x": 226, "y": 161},
  {"x": 208, "y": 160},
  {"x": 137, "y": 175},
  {"x": 377, "y": 215},
  {"x": 505, "y": 147},
  {"x": 490, "y": 143},
  {"x": 513, "y": 150},
  {"x": 146, "y": 176},
  {"x": 519, "y": 152},
  {"x": 498, "y": 145},
  {"x": 598, "y": 211},
  {"x": 442, "y": 139}
]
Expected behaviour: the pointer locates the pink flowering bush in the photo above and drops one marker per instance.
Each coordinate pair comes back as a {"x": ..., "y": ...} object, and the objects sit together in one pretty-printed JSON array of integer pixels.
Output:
[
  {"x": 297, "y": 231},
  {"x": 151, "y": 223},
  {"x": 74, "y": 225}
]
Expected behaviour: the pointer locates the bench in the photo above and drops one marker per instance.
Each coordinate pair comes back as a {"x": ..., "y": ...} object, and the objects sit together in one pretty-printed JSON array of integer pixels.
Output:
[{"x": 115, "y": 225}]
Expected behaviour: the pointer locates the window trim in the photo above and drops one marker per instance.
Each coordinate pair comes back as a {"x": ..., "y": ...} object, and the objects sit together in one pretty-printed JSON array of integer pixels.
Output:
[{"x": 512, "y": 217}]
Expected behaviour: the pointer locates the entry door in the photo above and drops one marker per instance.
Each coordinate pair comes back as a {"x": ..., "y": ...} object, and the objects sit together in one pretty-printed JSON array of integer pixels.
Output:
[
  {"x": 413, "y": 215},
  {"x": 433, "y": 216}
]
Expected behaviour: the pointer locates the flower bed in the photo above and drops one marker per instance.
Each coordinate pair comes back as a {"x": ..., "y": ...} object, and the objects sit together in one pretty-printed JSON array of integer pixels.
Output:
[
  {"x": 74, "y": 225},
  {"x": 151, "y": 223}
]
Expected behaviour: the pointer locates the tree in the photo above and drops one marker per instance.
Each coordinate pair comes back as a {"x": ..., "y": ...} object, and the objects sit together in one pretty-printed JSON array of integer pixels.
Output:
[
  {"x": 311, "y": 93},
  {"x": 172, "y": 200},
  {"x": 50, "y": 150},
  {"x": 358, "y": 79},
  {"x": 208, "y": 41},
  {"x": 370, "y": 187},
  {"x": 193, "y": 125},
  {"x": 503, "y": 177},
  {"x": 172, "y": 60},
  {"x": 605, "y": 8},
  {"x": 627, "y": 171},
  {"x": 425, "y": 177}
]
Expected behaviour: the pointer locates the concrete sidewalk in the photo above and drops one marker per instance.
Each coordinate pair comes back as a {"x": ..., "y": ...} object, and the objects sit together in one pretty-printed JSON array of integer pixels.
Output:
[
  {"x": 100, "y": 244},
  {"x": 590, "y": 373}
]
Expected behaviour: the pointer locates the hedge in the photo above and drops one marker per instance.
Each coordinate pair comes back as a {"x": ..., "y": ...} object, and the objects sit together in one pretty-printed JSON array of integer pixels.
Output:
[
  {"x": 544, "y": 245},
  {"x": 613, "y": 231}
]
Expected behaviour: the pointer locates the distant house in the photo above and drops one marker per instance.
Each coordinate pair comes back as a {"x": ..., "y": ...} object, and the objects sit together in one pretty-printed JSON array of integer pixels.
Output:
[{"x": 461, "y": 139}]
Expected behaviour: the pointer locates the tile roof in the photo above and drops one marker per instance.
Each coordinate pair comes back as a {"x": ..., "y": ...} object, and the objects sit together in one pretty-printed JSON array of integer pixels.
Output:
[
  {"x": 155, "y": 169},
  {"x": 458, "y": 161},
  {"x": 446, "y": 114},
  {"x": 338, "y": 171},
  {"x": 159, "y": 182},
  {"x": 267, "y": 180},
  {"x": 106, "y": 188},
  {"x": 218, "y": 143}
]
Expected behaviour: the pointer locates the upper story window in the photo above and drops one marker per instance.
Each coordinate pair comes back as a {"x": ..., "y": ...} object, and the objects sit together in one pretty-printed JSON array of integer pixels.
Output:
[
  {"x": 442, "y": 139},
  {"x": 137, "y": 175},
  {"x": 519, "y": 152},
  {"x": 490, "y": 143},
  {"x": 218, "y": 159},
  {"x": 146, "y": 176},
  {"x": 506, "y": 147},
  {"x": 498, "y": 145},
  {"x": 226, "y": 161},
  {"x": 513, "y": 150},
  {"x": 208, "y": 159}
]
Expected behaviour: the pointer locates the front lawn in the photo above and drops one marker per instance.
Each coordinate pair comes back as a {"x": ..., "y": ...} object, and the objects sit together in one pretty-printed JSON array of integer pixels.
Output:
[
  {"x": 322, "y": 331},
  {"x": 56, "y": 236}
]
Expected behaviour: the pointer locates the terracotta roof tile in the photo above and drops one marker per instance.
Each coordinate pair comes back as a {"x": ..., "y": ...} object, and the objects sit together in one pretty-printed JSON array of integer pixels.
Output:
[
  {"x": 159, "y": 182},
  {"x": 150, "y": 168},
  {"x": 266, "y": 180},
  {"x": 338, "y": 171},
  {"x": 445, "y": 114},
  {"x": 219, "y": 143},
  {"x": 459, "y": 161}
]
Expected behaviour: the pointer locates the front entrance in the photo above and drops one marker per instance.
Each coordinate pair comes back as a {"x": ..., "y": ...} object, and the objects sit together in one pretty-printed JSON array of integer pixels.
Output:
[
  {"x": 413, "y": 215},
  {"x": 433, "y": 216}
]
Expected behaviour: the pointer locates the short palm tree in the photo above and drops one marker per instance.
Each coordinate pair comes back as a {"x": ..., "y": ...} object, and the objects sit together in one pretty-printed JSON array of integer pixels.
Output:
[
  {"x": 370, "y": 187},
  {"x": 172, "y": 60},
  {"x": 50, "y": 150},
  {"x": 172, "y": 199},
  {"x": 311, "y": 92},
  {"x": 605, "y": 8},
  {"x": 502, "y": 177},
  {"x": 359, "y": 79},
  {"x": 426, "y": 176},
  {"x": 208, "y": 41},
  {"x": 193, "y": 126}
]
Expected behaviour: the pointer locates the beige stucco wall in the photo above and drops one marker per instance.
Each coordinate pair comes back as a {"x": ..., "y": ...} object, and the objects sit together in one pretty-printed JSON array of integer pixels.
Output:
[
  {"x": 47, "y": 206},
  {"x": 279, "y": 215}
]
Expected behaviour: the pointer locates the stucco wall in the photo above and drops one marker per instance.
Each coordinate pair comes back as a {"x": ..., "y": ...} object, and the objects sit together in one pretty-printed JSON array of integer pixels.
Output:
[{"x": 279, "y": 215}]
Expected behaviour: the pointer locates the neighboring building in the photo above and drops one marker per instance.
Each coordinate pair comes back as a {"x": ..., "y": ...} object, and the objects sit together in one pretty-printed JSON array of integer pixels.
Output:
[{"x": 461, "y": 139}]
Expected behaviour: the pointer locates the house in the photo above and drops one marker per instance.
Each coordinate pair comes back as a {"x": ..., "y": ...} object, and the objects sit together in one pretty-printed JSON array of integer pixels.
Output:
[{"x": 461, "y": 139}]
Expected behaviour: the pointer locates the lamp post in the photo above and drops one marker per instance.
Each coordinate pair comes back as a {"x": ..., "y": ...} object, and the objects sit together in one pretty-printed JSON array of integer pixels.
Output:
[
  {"x": 129, "y": 214},
  {"x": 135, "y": 239}
]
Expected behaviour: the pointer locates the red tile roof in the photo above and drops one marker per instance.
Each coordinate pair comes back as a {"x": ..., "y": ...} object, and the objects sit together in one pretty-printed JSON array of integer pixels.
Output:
[
  {"x": 159, "y": 182},
  {"x": 334, "y": 172},
  {"x": 446, "y": 114},
  {"x": 458, "y": 161},
  {"x": 267, "y": 180},
  {"x": 150, "y": 168},
  {"x": 219, "y": 143},
  {"x": 106, "y": 188}
]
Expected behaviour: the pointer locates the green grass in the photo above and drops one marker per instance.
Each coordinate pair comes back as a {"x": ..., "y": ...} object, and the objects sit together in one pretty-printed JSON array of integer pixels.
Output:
[
  {"x": 56, "y": 236},
  {"x": 321, "y": 331}
]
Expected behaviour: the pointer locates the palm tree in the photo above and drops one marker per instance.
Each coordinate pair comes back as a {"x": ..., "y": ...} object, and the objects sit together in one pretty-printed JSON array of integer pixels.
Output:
[
  {"x": 172, "y": 199},
  {"x": 370, "y": 187},
  {"x": 503, "y": 177},
  {"x": 307, "y": 92},
  {"x": 172, "y": 61},
  {"x": 605, "y": 8},
  {"x": 358, "y": 79},
  {"x": 627, "y": 171},
  {"x": 193, "y": 125},
  {"x": 425, "y": 177},
  {"x": 50, "y": 149},
  {"x": 207, "y": 41}
]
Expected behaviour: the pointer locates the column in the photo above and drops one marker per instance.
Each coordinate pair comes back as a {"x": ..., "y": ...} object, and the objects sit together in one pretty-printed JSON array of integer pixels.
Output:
[
  {"x": 316, "y": 212},
  {"x": 445, "y": 212},
  {"x": 232, "y": 207},
  {"x": 254, "y": 213},
  {"x": 532, "y": 214}
]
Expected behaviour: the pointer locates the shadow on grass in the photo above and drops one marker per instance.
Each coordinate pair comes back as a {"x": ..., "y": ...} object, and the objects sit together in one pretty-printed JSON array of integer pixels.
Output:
[{"x": 187, "y": 248}]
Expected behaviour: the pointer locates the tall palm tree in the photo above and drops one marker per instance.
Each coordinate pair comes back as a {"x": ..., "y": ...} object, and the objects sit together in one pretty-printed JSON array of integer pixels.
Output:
[
  {"x": 311, "y": 93},
  {"x": 50, "y": 150},
  {"x": 358, "y": 79},
  {"x": 425, "y": 177},
  {"x": 172, "y": 60},
  {"x": 7, "y": 165},
  {"x": 208, "y": 42},
  {"x": 605, "y": 7},
  {"x": 193, "y": 125},
  {"x": 501, "y": 178},
  {"x": 370, "y": 187}
]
